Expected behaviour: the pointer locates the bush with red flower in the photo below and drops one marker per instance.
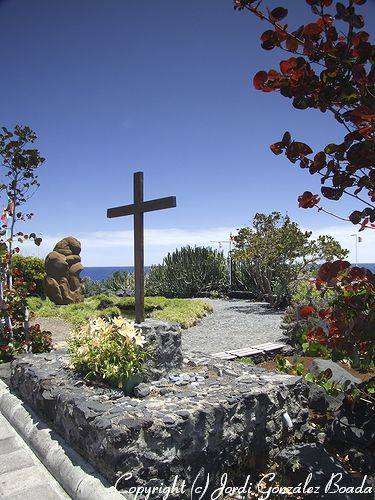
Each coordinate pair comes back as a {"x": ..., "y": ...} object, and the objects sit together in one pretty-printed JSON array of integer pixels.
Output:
[
  {"x": 21, "y": 337},
  {"x": 347, "y": 326},
  {"x": 19, "y": 163}
]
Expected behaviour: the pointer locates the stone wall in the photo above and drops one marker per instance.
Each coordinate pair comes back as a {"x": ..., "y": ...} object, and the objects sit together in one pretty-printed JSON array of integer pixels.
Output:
[{"x": 208, "y": 417}]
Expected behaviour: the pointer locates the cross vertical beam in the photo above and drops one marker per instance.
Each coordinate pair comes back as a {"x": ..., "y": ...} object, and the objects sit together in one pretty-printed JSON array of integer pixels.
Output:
[
  {"x": 138, "y": 248},
  {"x": 138, "y": 208}
]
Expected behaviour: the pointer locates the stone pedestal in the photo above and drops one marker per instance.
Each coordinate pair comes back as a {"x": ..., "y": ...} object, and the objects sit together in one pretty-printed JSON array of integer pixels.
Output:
[{"x": 164, "y": 341}]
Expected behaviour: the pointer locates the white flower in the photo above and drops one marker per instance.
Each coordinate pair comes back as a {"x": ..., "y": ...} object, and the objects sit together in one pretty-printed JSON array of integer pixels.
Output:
[
  {"x": 119, "y": 321},
  {"x": 139, "y": 340},
  {"x": 98, "y": 324},
  {"x": 82, "y": 350}
]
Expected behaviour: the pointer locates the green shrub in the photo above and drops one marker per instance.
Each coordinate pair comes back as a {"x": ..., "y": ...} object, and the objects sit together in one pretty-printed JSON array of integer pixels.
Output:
[
  {"x": 188, "y": 272},
  {"x": 32, "y": 271},
  {"x": 151, "y": 303},
  {"x": 110, "y": 350},
  {"x": 296, "y": 367},
  {"x": 276, "y": 253}
]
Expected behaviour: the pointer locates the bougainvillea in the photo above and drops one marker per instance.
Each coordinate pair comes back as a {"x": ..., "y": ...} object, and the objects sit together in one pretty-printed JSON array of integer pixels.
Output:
[
  {"x": 331, "y": 69},
  {"x": 347, "y": 326}
]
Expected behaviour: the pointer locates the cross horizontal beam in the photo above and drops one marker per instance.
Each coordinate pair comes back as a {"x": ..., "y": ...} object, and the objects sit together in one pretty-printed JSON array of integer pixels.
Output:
[{"x": 146, "y": 206}]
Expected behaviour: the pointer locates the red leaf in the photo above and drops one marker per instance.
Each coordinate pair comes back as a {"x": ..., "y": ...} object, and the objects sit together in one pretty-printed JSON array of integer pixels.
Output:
[
  {"x": 260, "y": 79},
  {"x": 319, "y": 160},
  {"x": 291, "y": 44},
  {"x": 355, "y": 217},
  {"x": 286, "y": 139},
  {"x": 330, "y": 270},
  {"x": 299, "y": 149},
  {"x": 312, "y": 29},
  {"x": 364, "y": 224},
  {"x": 288, "y": 65},
  {"x": 359, "y": 37},
  {"x": 331, "y": 193},
  {"x": 277, "y": 148},
  {"x": 278, "y": 13},
  {"x": 306, "y": 311},
  {"x": 308, "y": 200}
]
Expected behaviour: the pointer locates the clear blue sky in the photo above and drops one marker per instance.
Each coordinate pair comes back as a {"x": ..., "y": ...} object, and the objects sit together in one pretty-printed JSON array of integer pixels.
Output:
[{"x": 114, "y": 86}]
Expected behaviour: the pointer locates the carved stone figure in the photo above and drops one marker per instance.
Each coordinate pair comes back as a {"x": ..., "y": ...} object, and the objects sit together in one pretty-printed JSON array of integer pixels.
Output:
[{"x": 63, "y": 284}]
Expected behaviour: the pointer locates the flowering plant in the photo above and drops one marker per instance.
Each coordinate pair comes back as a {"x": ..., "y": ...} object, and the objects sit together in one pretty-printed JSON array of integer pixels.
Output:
[
  {"x": 109, "y": 349},
  {"x": 15, "y": 337},
  {"x": 347, "y": 325}
]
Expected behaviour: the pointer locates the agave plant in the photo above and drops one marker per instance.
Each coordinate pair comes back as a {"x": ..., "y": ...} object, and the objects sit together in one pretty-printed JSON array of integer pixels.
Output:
[
  {"x": 120, "y": 283},
  {"x": 188, "y": 272}
]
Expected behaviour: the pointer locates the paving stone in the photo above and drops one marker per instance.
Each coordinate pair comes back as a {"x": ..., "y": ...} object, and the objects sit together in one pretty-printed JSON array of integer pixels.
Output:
[
  {"x": 6, "y": 430},
  {"x": 16, "y": 482},
  {"x": 9, "y": 444},
  {"x": 42, "y": 492},
  {"x": 15, "y": 460},
  {"x": 22, "y": 475}
]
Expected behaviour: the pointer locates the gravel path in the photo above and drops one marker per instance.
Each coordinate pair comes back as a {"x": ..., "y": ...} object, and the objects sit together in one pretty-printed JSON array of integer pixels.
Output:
[
  {"x": 58, "y": 327},
  {"x": 234, "y": 324}
]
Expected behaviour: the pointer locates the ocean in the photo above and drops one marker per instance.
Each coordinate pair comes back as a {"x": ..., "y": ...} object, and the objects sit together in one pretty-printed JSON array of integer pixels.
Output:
[{"x": 101, "y": 273}]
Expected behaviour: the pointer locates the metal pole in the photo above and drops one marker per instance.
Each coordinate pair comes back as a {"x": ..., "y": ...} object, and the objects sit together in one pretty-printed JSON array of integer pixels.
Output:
[
  {"x": 356, "y": 248},
  {"x": 230, "y": 261}
]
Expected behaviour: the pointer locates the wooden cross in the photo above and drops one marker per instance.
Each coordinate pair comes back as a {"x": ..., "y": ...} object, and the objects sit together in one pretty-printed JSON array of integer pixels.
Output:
[{"x": 138, "y": 208}]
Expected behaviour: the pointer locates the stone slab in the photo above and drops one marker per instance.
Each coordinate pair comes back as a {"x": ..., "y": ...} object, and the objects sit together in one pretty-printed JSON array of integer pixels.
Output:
[
  {"x": 54, "y": 461},
  {"x": 210, "y": 416},
  {"x": 224, "y": 355},
  {"x": 15, "y": 460},
  {"x": 40, "y": 492},
  {"x": 8, "y": 445},
  {"x": 10, "y": 483}
]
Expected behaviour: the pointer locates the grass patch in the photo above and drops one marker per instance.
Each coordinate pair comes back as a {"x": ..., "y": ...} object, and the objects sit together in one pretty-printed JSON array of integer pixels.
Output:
[
  {"x": 246, "y": 361},
  {"x": 184, "y": 311}
]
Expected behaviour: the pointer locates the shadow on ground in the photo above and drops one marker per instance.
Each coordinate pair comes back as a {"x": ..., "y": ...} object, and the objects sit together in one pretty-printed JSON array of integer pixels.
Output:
[{"x": 256, "y": 308}]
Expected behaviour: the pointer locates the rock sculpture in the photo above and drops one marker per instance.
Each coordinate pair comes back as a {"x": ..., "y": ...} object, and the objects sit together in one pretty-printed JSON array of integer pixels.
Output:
[{"x": 63, "y": 284}]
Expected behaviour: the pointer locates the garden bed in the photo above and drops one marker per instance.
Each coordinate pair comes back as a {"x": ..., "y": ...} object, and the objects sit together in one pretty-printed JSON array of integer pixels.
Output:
[
  {"x": 207, "y": 416},
  {"x": 186, "y": 312}
]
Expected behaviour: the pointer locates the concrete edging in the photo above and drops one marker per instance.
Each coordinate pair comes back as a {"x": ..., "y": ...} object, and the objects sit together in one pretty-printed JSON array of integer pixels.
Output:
[{"x": 77, "y": 477}]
